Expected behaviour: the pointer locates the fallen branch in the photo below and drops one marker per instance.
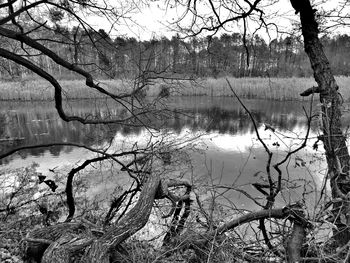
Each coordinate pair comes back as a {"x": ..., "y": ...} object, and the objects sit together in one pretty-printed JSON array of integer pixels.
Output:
[
  {"x": 278, "y": 213},
  {"x": 295, "y": 243}
]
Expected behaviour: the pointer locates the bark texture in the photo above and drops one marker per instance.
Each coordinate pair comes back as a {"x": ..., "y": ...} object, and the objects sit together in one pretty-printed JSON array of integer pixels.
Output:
[
  {"x": 129, "y": 225},
  {"x": 295, "y": 243},
  {"x": 74, "y": 242},
  {"x": 333, "y": 138},
  {"x": 40, "y": 239}
]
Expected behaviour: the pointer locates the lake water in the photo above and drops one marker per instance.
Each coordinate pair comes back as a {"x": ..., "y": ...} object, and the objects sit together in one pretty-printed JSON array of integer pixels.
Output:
[{"x": 228, "y": 153}]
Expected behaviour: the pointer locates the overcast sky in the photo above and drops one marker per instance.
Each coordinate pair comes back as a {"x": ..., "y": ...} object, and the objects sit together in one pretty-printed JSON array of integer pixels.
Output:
[{"x": 152, "y": 20}]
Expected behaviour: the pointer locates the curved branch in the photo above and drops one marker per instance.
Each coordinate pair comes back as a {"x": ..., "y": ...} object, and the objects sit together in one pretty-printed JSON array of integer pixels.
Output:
[
  {"x": 67, "y": 238},
  {"x": 163, "y": 192},
  {"x": 37, "y": 46},
  {"x": 18, "y": 12},
  {"x": 270, "y": 198},
  {"x": 185, "y": 215},
  {"x": 134, "y": 220},
  {"x": 6, "y": 154},
  {"x": 303, "y": 145},
  {"x": 278, "y": 213},
  {"x": 58, "y": 89},
  {"x": 117, "y": 202},
  {"x": 266, "y": 237},
  {"x": 220, "y": 24},
  {"x": 69, "y": 185}
]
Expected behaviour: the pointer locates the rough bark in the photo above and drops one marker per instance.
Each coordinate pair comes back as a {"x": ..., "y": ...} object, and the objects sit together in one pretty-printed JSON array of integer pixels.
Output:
[
  {"x": 295, "y": 242},
  {"x": 129, "y": 225},
  {"x": 67, "y": 248},
  {"x": 202, "y": 241},
  {"x": 39, "y": 240},
  {"x": 178, "y": 203},
  {"x": 78, "y": 242},
  {"x": 71, "y": 241},
  {"x": 334, "y": 141},
  {"x": 262, "y": 214}
]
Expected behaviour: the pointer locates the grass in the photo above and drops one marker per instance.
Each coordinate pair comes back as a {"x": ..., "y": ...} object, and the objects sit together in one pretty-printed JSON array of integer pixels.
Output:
[
  {"x": 42, "y": 90},
  {"x": 267, "y": 88},
  {"x": 260, "y": 88}
]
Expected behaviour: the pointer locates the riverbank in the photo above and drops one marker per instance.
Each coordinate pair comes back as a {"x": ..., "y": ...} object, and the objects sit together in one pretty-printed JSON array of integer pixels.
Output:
[{"x": 260, "y": 88}]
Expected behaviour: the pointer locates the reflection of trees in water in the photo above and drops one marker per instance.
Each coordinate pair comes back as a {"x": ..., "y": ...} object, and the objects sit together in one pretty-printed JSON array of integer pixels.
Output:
[
  {"x": 41, "y": 125},
  {"x": 226, "y": 115},
  {"x": 231, "y": 121},
  {"x": 31, "y": 128},
  {"x": 2, "y": 125}
]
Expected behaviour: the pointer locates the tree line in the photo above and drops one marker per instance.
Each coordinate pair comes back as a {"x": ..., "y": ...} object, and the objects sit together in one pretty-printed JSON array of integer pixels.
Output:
[{"x": 226, "y": 55}]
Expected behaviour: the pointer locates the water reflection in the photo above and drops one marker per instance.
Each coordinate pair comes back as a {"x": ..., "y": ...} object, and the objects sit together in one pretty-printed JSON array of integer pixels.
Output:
[
  {"x": 38, "y": 123},
  {"x": 232, "y": 154},
  {"x": 226, "y": 115},
  {"x": 240, "y": 160}
]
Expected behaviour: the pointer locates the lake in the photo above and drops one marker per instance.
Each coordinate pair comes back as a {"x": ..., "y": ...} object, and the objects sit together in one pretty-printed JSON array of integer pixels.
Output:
[{"x": 224, "y": 149}]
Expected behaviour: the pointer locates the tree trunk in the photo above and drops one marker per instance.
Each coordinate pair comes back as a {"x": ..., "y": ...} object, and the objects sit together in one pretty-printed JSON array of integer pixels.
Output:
[
  {"x": 295, "y": 242},
  {"x": 334, "y": 141},
  {"x": 71, "y": 240},
  {"x": 129, "y": 225}
]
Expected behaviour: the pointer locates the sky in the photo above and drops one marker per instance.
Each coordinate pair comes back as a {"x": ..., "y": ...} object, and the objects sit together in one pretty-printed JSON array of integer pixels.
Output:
[
  {"x": 152, "y": 19},
  {"x": 145, "y": 22}
]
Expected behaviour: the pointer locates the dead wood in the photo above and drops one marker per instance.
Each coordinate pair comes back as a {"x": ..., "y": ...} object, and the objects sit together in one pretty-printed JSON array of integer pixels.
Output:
[{"x": 76, "y": 240}]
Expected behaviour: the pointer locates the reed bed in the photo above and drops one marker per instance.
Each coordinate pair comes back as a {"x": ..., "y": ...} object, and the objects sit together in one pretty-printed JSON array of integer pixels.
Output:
[
  {"x": 259, "y": 88},
  {"x": 264, "y": 88},
  {"x": 30, "y": 90}
]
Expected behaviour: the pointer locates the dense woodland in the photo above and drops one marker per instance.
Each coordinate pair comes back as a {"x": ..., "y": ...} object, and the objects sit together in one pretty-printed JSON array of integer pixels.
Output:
[{"x": 199, "y": 57}]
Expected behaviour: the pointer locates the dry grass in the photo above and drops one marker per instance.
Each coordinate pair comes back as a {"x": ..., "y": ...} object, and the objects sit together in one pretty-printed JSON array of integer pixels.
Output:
[
  {"x": 43, "y": 90},
  {"x": 262, "y": 88}
]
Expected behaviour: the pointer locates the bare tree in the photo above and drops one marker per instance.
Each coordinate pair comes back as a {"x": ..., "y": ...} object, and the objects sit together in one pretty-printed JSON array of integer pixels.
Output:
[
  {"x": 333, "y": 138},
  {"x": 38, "y": 30},
  {"x": 130, "y": 211},
  {"x": 250, "y": 15}
]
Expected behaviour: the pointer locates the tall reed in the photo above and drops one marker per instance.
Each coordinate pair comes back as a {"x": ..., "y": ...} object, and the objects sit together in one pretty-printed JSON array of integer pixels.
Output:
[{"x": 262, "y": 88}]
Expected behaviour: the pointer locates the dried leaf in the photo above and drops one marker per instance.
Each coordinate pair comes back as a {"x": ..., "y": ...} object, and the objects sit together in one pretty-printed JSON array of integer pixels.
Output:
[{"x": 343, "y": 219}]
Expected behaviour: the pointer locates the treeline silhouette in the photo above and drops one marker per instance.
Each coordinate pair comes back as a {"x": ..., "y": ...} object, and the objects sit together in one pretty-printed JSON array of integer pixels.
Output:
[{"x": 125, "y": 57}]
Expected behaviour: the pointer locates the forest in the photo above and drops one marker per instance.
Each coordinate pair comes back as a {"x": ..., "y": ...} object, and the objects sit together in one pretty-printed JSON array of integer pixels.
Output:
[{"x": 216, "y": 56}]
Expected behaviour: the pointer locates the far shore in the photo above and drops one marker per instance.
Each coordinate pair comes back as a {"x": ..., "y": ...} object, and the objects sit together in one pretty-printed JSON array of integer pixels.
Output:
[{"x": 281, "y": 89}]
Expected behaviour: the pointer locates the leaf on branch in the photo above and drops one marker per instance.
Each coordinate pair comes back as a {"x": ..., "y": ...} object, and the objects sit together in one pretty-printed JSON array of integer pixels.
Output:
[
  {"x": 269, "y": 127},
  {"x": 343, "y": 219}
]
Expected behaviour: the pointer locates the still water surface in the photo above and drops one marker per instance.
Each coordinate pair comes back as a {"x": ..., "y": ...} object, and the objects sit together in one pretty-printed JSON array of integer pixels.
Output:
[{"x": 230, "y": 153}]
